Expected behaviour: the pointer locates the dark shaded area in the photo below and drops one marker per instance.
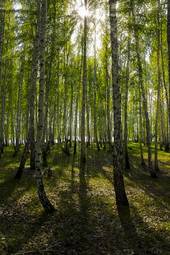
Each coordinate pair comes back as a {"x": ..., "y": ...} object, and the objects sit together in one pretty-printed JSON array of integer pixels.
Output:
[{"x": 85, "y": 221}]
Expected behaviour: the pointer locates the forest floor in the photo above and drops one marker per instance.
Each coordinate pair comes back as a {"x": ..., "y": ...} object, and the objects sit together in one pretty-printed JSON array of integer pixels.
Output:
[{"x": 86, "y": 219}]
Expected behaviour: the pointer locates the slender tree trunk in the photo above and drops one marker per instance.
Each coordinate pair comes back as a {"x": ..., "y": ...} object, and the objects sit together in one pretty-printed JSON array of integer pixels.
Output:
[
  {"x": 158, "y": 87},
  {"x": 65, "y": 122},
  {"x": 46, "y": 134},
  {"x": 121, "y": 198},
  {"x": 145, "y": 104},
  {"x": 46, "y": 115},
  {"x": 58, "y": 100},
  {"x": 56, "y": 115},
  {"x": 2, "y": 27},
  {"x": 71, "y": 115},
  {"x": 47, "y": 119},
  {"x": 30, "y": 141},
  {"x": 126, "y": 156},
  {"x": 19, "y": 100},
  {"x": 107, "y": 97},
  {"x": 65, "y": 95},
  {"x": 75, "y": 123},
  {"x": 168, "y": 41},
  {"x": 79, "y": 68},
  {"x": 84, "y": 85},
  {"x": 162, "y": 119},
  {"x": 32, "y": 97},
  {"x": 7, "y": 128},
  {"x": 165, "y": 139},
  {"x": 94, "y": 95},
  {"x": 88, "y": 115},
  {"x": 39, "y": 142},
  {"x": 2, "y": 125},
  {"x": 141, "y": 131}
]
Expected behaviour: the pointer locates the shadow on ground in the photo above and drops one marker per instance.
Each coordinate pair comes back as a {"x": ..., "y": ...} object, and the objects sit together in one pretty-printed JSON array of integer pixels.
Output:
[{"x": 86, "y": 219}]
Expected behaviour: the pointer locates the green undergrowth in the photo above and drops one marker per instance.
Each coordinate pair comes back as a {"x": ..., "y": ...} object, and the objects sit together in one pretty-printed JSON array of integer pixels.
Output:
[{"x": 86, "y": 219}]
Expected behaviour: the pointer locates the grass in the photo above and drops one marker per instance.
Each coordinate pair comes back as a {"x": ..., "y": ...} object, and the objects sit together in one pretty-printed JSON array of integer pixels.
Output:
[{"x": 86, "y": 219}]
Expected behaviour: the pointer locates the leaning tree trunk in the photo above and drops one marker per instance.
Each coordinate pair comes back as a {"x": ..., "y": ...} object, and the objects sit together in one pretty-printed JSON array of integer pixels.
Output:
[
  {"x": 40, "y": 125},
  {"x": 121, "y": 198}
]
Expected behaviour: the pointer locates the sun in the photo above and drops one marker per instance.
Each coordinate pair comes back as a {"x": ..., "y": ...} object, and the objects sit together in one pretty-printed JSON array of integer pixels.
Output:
[
  {"x": 17, "y": 6},
  {"x": 83, "y": 12}
]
